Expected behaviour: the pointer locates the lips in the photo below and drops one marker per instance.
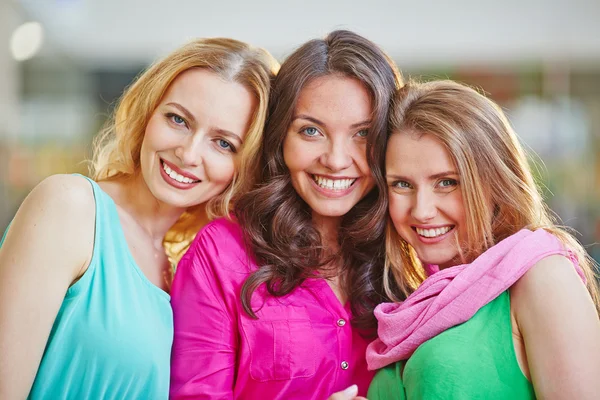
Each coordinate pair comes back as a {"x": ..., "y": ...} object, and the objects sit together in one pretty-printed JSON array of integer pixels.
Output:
[
  {"x": 433, "y": 232},
  {"x": 177, "y": 178},
  {"x": 333, "y": 187},
  {"x": 177, "y": 174},
  {"x": 333, "y": 183}
]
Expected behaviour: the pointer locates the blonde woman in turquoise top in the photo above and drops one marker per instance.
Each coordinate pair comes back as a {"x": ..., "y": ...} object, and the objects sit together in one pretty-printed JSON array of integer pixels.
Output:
[
  {"x": 496, "y": 301},
  {"x": 84, "y": 274}
]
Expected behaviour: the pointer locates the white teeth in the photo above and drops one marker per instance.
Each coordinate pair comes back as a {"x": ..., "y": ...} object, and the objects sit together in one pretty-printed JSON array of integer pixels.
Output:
[
  {"x": 176, "y": 176},
  {"x": 431, "y": 233},
  {"x": 333, "y": 184}
]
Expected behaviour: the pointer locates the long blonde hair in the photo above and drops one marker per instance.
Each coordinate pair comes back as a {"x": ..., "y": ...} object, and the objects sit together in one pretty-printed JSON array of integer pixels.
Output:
[
  {"x": 117, "y": 147},
  {"x": 493, "y": 168}
]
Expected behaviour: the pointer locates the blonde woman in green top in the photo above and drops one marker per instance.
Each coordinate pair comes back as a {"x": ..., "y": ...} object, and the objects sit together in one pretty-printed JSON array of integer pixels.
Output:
[
  {"x": 496, "y": 306},
  {"x": 462, "y": 197}
]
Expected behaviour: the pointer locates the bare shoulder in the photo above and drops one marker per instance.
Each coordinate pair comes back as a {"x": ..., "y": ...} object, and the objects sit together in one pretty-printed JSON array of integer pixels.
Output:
[
  {"x": 551, "y": 275},
  {"x": 57, "y": 216},
  {"x": 64, "y": 191},
  {"x": 557, "y": 320},
  {"x": 551, "y": 286},
  {"x": 61, "y": 198}
]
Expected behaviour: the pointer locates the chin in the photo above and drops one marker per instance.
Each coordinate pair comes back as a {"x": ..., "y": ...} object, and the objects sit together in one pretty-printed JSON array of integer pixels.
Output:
[
  {"x": 171, "y": 199},
  {"x": 443, "y": 262},
  {"x": 331, "y": 212}
]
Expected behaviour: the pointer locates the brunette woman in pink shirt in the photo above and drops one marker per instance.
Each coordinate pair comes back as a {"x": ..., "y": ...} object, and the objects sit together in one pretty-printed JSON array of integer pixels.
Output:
[{"x": 274, "y": 303}]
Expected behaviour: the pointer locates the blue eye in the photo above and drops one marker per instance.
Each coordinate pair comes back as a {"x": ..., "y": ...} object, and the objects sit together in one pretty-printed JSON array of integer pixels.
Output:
[
  {"x": 310, "y": 131},
  {"x": 402, "y": 185},
  {"x": 225, "y": 145},
  {"x": 446, "y": 183},
  {"x": 177, "y": 120},
  {"x": 364, "y": 133}
]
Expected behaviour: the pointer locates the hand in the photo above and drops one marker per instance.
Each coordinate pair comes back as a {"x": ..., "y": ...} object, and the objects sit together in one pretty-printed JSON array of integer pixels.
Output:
[{"x": 349, "y": 393}]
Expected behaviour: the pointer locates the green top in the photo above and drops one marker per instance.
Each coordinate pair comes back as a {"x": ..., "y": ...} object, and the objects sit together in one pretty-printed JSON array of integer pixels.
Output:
[{"x": 473, "y": 360}]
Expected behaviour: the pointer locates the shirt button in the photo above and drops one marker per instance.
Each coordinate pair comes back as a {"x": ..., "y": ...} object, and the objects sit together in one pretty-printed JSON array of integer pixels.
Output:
[
  {"x": 341, "y": 322},
  {"x": 344, "y": 365}
]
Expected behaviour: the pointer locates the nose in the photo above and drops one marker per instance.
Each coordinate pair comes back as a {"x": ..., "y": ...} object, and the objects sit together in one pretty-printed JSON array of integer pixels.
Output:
[
  {"x": 337, "y": 157},
  {"x": 190, "y": 150},
  {"x": 424, "y": 208}
]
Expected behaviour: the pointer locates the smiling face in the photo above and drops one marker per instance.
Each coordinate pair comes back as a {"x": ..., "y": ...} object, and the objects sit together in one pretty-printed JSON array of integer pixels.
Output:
[
  {"x": 188, "y": 152},
  {"x": 425, "y": 200},
  {"x": 325, "y": 145}
]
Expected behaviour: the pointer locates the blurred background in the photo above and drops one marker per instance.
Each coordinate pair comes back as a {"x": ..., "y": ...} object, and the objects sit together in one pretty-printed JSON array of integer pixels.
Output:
[{"x": 63, "y": 64}]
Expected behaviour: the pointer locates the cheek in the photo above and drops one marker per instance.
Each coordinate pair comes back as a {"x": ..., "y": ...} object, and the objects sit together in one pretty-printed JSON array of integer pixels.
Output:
[
  {"x": 363, "y": 165},
  {"x": 360, "y": 157},
  {"x": 219, "y": 168},
  {"x": 357, "y": 151},
  {"x": 399, "y": 208},
  {"x": 297, "y": 153},
  {"x": 160, "y": 134},
  {"x": 291, "y": 152},
  {"x": 145, "y": 153},
  {"x": 152, "y": 132},
  {"x": 157, "y": 138},
  {"x": 457, "y": 207}
]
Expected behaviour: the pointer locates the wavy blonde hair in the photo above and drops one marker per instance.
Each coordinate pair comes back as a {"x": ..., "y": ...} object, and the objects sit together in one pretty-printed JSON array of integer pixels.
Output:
[
  {"x": 117, "y": 147},
  {"x": 493, "y": 169}
]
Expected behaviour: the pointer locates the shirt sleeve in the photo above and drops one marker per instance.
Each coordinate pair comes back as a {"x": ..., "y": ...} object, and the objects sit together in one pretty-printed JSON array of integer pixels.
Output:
[{"x": 204, "y": 349}]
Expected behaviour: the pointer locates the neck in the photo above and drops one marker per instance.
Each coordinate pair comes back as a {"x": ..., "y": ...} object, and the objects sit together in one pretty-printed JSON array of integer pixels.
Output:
[
  {"x": 328, "y": 228},
  {"x": 153, "y": 216}
]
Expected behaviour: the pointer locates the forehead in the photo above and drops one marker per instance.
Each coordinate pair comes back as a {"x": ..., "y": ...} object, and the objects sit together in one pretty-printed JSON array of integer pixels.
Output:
[
  {"x": 410, "y": 153},
  {"x": 335, "y": 99},
  {"x": 210, "y": 98}
]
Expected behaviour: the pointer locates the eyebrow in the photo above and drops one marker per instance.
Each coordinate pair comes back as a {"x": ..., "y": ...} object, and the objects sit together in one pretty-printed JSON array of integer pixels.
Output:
[
  {"x": 184, "y": 110},
  {"x": 316, "y": 121},
  {"x": 434, "y": 176},
  {"x": 191, "y": 118},
  {"x": 230, "y": 135}
]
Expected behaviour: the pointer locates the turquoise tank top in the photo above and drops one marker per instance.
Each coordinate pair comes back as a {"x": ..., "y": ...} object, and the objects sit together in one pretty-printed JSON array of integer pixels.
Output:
[
  {"x": 113, "y": 333},
  {"x": 475, "y": 360}
]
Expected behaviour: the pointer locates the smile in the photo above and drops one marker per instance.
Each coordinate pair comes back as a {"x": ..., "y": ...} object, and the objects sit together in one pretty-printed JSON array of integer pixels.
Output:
[
  {"x": 175, "y": 176},
  {"x": 333, "y": 184},
  {"x": 433, "y": 232}
]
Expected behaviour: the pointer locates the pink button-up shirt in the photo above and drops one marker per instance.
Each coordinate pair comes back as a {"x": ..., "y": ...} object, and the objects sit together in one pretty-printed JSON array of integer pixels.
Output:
[{"x": 302, "y": 346}]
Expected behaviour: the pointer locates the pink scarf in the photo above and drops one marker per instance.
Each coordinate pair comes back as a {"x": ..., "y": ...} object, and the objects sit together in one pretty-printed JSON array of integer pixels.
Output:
[{"x": 452, "y": 296}]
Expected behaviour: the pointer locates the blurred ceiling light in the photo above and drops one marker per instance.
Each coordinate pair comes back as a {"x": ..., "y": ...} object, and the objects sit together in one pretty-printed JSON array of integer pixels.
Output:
[{"x": 26, "y": 41}]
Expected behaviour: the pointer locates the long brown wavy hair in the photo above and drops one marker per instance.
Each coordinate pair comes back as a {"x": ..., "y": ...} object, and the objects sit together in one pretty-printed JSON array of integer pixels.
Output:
[
  {"x": 492, "y": 166},
  {"x": 278, "y": 223},
  {"x": 117, "y": 147}
]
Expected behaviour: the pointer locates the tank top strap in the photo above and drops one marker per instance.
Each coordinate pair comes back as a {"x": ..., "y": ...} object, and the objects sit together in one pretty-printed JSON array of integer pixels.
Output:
[{"x": 100, "y": 230}]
